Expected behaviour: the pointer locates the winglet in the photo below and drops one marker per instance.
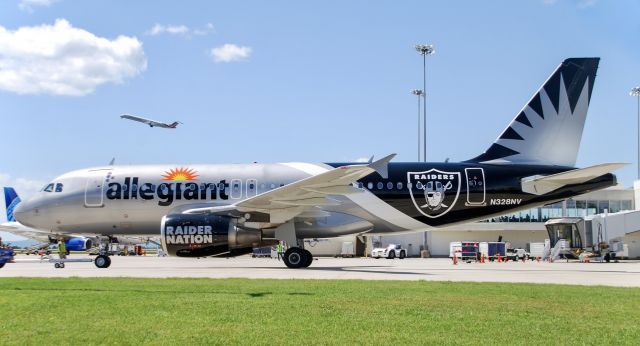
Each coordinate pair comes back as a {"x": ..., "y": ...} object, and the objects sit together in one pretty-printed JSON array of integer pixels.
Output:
[{"x": 381, "y": 165}]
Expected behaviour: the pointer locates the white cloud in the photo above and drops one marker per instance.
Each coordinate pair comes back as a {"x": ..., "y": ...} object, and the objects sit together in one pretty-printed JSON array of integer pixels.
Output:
[
  {"x": 361, "y": 159},
  {"x": 183, "y": 30},
  {"x": 28, "y": 5},
  {"x": 169, "y": 29},
  {"x": 230, "y": 52},
  {"x": 60, "y": 59}
]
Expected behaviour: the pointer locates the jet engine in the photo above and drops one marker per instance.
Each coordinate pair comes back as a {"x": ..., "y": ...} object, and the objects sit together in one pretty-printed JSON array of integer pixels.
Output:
[
  {"x": 79, "y": 244},
  {"x": 201, "y": 235}
]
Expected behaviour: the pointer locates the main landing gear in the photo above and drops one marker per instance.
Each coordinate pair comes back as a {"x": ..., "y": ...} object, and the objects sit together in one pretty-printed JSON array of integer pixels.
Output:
[{"x": 297, "y": 257}]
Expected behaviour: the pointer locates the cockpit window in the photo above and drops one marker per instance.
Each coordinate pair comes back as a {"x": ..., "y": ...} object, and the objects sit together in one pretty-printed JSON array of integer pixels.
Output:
[
  {"x": 59, "y": 187},
  {"x": 48, "y": 188}
]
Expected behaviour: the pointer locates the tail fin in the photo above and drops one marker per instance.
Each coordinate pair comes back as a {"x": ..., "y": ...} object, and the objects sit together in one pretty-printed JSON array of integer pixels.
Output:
[
  {"x": 549, "y": 128},
  {"x": 174, "y": 124},
  {"x": 11, "y": 200}
]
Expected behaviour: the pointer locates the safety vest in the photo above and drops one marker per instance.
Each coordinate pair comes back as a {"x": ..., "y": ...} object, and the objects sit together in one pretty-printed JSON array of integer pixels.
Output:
[
  {"x": 62, "y": 247},
  {"x": 279, "y": 247}
]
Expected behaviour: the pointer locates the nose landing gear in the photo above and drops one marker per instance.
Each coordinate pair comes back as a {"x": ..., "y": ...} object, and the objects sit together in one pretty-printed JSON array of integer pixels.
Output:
[{"x": 102, "y": 261}]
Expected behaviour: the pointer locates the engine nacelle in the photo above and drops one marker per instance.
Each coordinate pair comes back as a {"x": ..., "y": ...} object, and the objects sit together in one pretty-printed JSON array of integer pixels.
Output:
[
  {"x": 78, "y": 244},
  {"x": 201, "y": 235}
]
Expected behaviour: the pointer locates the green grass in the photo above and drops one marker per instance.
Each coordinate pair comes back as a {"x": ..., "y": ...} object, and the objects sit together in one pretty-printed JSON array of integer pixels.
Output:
[{"x": 204, "y": 311}]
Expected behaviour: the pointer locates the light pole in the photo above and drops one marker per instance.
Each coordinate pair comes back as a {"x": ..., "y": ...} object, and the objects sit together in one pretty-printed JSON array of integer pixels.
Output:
[
  {"x": 636, "y": 92},
  {"x": 418, "y": 93},
  {"x": 424, "y": 50}
]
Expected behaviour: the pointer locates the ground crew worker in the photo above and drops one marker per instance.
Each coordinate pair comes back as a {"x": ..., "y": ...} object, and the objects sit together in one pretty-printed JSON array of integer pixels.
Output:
[
  {"x": 279, "y": 250},
  {"x": 62, "y": 249}
]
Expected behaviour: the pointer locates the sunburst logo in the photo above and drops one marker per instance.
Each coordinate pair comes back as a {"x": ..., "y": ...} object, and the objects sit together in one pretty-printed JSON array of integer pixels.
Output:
[{"x": 180, "y": 174}]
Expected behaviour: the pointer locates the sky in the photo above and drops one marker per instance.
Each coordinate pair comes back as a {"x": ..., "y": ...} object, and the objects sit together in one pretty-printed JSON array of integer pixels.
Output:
[{"x": 281, "y": 81}]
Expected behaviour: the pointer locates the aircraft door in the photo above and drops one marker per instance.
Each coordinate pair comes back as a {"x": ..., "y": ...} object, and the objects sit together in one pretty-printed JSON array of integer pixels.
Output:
[
  {"x": 476, "y": 192},
  {"x": 94, "y": 188},
  {"x": 236, "y": 188}
]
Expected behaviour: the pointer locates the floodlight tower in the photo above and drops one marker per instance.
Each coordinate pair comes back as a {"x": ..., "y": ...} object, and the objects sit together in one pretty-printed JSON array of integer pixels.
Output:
[
  {"x": 424, "y": 50},
  {"x": 636, "y": 92},
  {"x": 420, "y": 94}
]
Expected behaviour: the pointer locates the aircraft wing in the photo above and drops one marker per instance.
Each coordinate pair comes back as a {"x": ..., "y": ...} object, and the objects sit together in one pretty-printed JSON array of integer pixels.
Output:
[
  {"x": 539, "y": 185},
  {"x": 286, "y": 202},
  {"x": 16, "y": 228}
]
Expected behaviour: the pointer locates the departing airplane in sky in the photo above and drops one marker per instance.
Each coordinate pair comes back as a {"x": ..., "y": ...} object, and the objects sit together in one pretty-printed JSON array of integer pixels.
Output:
[
  {"x": 227, "y": 209},
  {"x": 151, "y": 123}
]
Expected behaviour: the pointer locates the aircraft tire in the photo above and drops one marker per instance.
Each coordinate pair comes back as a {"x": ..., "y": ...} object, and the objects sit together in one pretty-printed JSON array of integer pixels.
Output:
[
  {"x": 102, "y": 261},
  {"x": 309, "y": 258},
  {"x": 295, "y": 257}
]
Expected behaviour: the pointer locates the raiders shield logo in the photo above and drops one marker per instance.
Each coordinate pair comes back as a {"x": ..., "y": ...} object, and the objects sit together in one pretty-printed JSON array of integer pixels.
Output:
[{"x": 434, "y": 192}]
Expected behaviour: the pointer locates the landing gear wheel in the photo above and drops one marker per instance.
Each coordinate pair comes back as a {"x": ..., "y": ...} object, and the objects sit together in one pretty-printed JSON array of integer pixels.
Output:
[
  {"x": 56, "y": 265},
  {"x": 391, "y": 255},
  {"x": 309, "y": 258},
  {"x": 295, "y": 257},
  {"x": 102, "y": 261}
]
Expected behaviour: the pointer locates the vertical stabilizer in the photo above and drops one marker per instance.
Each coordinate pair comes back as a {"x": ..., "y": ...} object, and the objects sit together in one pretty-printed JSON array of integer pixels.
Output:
[
  {"x": 11, "y": 200},
  {"x": 549, "y": 128}
]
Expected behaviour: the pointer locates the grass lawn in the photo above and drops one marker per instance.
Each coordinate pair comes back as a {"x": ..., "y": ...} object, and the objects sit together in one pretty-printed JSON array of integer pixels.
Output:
[{"x": 205, "y": 311}]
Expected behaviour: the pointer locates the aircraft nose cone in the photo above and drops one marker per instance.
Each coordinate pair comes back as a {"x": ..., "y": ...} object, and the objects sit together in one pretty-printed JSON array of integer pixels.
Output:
[{"x": 21, "y": 212}]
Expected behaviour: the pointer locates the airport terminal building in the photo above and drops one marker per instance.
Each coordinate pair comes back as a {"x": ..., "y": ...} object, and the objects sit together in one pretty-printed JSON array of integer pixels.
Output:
[{"x": 520, "y": 228}]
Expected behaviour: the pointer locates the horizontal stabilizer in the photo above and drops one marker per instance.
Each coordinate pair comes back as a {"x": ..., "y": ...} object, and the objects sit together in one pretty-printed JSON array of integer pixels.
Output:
[{"x": 539, "y": 185}]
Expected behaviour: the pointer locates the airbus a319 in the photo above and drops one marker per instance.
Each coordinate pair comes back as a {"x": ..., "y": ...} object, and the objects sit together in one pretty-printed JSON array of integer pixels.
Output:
[{"x": 227, "y": 209}]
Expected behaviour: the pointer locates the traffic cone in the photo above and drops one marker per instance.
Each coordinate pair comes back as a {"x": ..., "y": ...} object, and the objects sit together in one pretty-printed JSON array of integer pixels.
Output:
[
  {"x": 455, "y": 262},
  {"x": 538, "y": 259},
  {"x": 482, "y": 259},
  {"x": 498, "y": 258}
]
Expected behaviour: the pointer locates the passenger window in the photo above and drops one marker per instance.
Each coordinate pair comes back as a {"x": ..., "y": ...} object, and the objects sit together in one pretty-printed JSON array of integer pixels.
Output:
[
  {"x": 399, "y": 185},
  {"x": 419, "y": 185},
  {"x": 360, "y": 185},
  {"x": 389, "y": 185},
  {"x": 48, "y": 188},
  {"x": 380, "y": 186},
  {"x": 273, "y": 186},
  {"x": 59, "y": 187},
  {"x": 221, "y": 186},
  {"x": 370, "y": 186},
  {"x": 262, "y": 186}
]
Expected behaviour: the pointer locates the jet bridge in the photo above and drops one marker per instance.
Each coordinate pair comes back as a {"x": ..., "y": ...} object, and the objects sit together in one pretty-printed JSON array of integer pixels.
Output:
[{"x": 602, "y": 234}]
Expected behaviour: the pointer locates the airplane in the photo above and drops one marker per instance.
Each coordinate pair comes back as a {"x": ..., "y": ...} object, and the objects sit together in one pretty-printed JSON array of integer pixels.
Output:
[
  {"x": 151, "y": 123},
  {"x": 73, "y": 242},
  {"x": 228, "y": 209}
]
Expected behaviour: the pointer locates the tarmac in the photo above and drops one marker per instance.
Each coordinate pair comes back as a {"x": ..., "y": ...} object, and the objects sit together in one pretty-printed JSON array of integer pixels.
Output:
[{"x": 623, "y": 274}]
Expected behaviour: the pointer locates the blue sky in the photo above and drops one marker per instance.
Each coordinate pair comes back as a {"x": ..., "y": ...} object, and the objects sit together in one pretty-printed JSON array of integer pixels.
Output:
[{"x": 296, "y": 81}]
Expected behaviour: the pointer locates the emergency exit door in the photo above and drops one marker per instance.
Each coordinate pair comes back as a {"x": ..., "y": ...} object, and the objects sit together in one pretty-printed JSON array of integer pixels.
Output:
[{"x": 476, "y": 192}]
